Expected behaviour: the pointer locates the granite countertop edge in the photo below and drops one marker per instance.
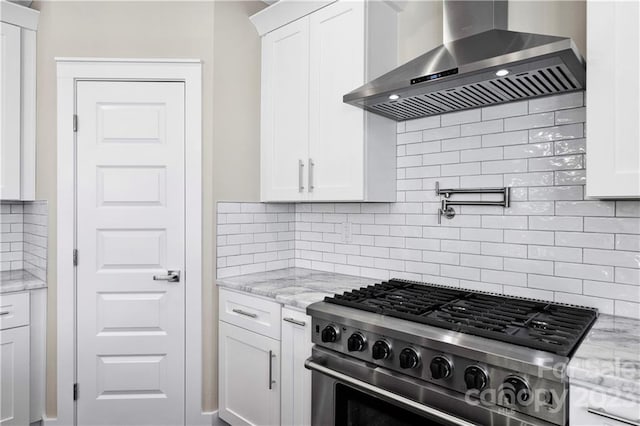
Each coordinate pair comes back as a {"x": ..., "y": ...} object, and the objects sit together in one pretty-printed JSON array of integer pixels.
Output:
[
  {"x": 21, "y": 280},
  {"x": 608, "y": 358},
  {"x": 293, "y": 287}
]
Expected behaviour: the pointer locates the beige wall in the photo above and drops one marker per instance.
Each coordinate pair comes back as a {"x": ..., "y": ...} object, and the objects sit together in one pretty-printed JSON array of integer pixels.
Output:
[
  {"x": 177, "y": 29},
  {"x": 221, "y": 35}
]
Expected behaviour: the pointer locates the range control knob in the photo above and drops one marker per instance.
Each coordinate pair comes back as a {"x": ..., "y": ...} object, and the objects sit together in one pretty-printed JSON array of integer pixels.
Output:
[
  {"x": 356, "y": 342},
  {"x": 380, "y": 350},
  {"x": 475, "y": 378},
  {"x": 516, "y": 391},
  {"x": 409, "y": 358},
  {"x": 440, "y": 368},
  {"x": 330, "y": 334}
]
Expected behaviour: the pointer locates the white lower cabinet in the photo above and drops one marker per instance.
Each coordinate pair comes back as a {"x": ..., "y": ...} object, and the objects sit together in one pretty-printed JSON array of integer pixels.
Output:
[
  {"x": 249, "y": 377},
  {"x": 296, "y": 380},
  {"x": 593, "y": 407},
  {"x": 14, "y": 376},
  {"x": 262, "y": 379}
]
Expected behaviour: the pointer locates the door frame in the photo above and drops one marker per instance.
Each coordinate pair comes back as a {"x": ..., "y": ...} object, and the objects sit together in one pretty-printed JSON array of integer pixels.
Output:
[{"x": 69, "y": 72}]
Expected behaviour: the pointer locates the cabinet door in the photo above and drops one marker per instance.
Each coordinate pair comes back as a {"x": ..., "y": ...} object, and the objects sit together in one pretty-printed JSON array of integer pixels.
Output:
[
  {"x": 10, "y": 156},
  {"x": 613, "y": 99},
  {"x": 247, "y": 363},
  {"x": 285, "y": 112},
  {"x": 296, "y": 380},
  {"x": 336, "y": 137},
  {"x": 14, "y": 376}
]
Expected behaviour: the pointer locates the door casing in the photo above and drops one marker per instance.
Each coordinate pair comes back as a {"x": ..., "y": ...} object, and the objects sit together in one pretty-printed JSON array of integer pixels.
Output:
[{"x": 69, "y": 72}]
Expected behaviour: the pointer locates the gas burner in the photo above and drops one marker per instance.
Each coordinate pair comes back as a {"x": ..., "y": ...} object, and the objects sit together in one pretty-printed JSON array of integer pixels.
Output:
[{"x": 509, "y": 319}]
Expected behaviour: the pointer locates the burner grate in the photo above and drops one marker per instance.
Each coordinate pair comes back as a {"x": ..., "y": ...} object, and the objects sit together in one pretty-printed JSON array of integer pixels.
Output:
[{"x": 535, "y": 324}]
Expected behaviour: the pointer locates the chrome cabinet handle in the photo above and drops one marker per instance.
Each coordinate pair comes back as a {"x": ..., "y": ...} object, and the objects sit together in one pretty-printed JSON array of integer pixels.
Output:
[
  {"x": 294, "y": 321},
  {"x": 311, "y": 164},
  {"x": 604, "y": 414},
  {"x": 271, "y": 381},
  {"x": 245, "y": 313},
  {"x": 172, "y": 277},
  {"x": 300, "y": 175},
  {"x": 5, "y": 313}
]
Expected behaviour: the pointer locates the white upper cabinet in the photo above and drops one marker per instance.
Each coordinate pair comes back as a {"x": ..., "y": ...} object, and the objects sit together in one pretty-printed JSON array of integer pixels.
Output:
[
  {"x": 17, "y": 102},
  {"x": 10, "y": 124},
  {"x": 285, "y": 111},
  {"x": 314, "y": 146},
  {"x": 613, "y": 99}
]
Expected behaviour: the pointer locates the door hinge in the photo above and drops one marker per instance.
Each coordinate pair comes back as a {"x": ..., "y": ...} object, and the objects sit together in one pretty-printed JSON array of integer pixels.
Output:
[
  {"x": 75, "y": 122},
  {"x": 75, "y": 257},
  {"x": 75, "y": 391}
]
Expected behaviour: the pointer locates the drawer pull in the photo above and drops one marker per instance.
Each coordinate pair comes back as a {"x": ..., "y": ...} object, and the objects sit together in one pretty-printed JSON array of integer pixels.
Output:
[
  {"x": 245, "y": 313},
  {"x": 271, "y": 381},
  {"x": 294, "y": 321},
  {"x": 604, "y": 414},
  {"x": 5, "y": 313}
]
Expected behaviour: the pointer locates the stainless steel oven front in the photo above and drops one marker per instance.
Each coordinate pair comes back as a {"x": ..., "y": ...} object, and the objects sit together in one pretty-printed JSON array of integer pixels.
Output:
[{"x": 350, "y": 392}]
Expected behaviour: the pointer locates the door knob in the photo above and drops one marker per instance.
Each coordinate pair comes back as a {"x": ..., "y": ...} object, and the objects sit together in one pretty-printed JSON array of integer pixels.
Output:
[{"x": 172, "y": 277}]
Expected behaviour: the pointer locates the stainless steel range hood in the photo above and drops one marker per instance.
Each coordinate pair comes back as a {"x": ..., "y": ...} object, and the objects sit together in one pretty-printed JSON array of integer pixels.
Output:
[{"x": 480, "y": 64}]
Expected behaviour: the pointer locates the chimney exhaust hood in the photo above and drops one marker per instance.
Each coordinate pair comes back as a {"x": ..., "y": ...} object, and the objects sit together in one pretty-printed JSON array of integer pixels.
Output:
[{"x": 479, "y": 64}]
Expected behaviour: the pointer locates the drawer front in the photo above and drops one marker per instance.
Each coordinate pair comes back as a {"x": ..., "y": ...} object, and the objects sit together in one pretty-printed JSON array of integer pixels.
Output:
[
  {"x": 14, "y": 310},
  {"x": 253, "y": 313},
  {"x": 589, "y": 407}
]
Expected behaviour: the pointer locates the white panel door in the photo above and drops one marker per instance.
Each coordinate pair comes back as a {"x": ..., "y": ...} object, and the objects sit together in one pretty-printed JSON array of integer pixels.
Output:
[
  {"x": 130, "y": 228},
  {"x": 296, "y": 379},
  {"x": 285, "y": 112},
  {"x": 336, "y": 135},
  {"x": 10, "y": 155},
  {"x": 14, "y": 376},
  {"x": 249, "y": 366},
  {"x": 613, "y": 99}
]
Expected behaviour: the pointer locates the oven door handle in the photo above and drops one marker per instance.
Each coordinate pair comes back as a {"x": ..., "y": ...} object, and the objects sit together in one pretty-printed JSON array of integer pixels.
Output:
[{"x": 432, "y": 412}]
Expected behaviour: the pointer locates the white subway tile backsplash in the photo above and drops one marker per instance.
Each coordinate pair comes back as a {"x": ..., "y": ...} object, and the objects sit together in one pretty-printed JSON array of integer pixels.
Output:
[
  {"x": 422, "y": 123},
  {"x": 569, "y": 131},
  {"x": 511, "y": 109},
  {"x": 566, "y": 162},
  {"x": 507, "y": 138},
  {"x": 545, "y": 282},
  {"x": 612, "y": 225},
  {"x": 462, "y": 117},
  {"x": 550, "y": 243},
  {"x": 23, "y": 237},
  {"x": 482, "y": 128},
  {"x": 529, "y": 121},
  {"x": 504, "y": 166},
  {"x": 559, "y": 102},
  {"x": 441, "y": 133}
]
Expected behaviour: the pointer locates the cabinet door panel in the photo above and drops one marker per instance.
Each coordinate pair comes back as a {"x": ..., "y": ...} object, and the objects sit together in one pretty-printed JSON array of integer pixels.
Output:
[
  {"x": 613, "y": 99},
  {"x": 247, "y": 361},
  {"x": 336, "y": 138},
  {"x": 10, "y": 155},
  {"x": 14, "y": 376},
  {"x": 296, "y": 379},
  {"x": 285, "y": 112}
]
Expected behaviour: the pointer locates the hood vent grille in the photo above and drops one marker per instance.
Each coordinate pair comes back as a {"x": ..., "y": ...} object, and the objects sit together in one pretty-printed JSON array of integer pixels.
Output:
[{"x": 538, "y": 82}]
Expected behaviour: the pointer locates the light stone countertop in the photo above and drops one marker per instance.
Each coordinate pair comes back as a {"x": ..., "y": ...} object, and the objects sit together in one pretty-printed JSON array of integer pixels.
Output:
[
  {"x": 609, "y": 357},
  {"x": 296, "y": 287},
  {"x": 21, "y": 280}
]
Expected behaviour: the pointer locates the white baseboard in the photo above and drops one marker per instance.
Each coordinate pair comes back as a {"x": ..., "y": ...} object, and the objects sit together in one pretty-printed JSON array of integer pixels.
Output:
[{"x": 206, "y": 418}]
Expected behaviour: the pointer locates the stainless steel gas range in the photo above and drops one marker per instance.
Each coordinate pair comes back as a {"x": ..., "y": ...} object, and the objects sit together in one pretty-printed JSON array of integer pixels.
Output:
[{"x": 408, "y": 353}]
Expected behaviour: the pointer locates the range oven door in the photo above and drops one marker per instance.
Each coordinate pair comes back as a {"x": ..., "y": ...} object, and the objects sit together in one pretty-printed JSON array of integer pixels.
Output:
[
  {"x": 350, "y": 392},
  {"x": 341, "y": 400}
]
